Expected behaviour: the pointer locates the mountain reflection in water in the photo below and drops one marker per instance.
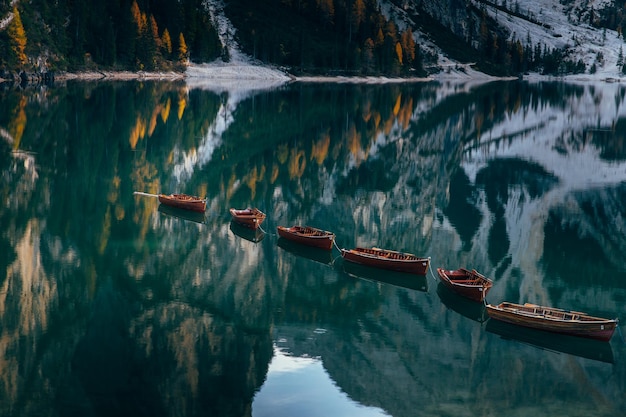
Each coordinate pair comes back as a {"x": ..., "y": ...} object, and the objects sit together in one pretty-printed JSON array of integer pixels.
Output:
[
  {"x": 301, "y": 386},
  {"x": 112, "y": 306}
]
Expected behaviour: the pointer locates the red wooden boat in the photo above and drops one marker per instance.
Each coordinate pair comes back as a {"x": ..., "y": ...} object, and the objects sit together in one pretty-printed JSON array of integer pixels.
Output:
[
  {"x": 469, "y": 284},
  {"x": 387, "y": 259},
  {"x": 554, "y": 320},
  {"x": 183, "y": 201},
  {"x": 307, "y": 235},
  {"x": 249, "y": 217}
]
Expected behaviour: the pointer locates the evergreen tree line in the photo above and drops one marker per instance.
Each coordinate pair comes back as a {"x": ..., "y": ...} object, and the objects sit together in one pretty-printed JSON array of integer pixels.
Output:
[
  {"x": 506, "y": 55},
  {"x": 515, "y": 56},
  {"x": 106, "y": 34},
  {"x": 353, "y": 36},
  {"x": 308, "y": 36},
  {"x": 325, "y": 36}
]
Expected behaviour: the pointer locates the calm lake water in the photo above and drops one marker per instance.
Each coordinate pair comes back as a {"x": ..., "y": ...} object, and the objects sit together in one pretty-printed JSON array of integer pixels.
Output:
[{"x": 111, "y": 305}]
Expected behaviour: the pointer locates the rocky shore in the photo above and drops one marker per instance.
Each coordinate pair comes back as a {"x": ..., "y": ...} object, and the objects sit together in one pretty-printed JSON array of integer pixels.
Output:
[
  {"x": 120, "y": 75},
  {"x": 38, "y": 78}
]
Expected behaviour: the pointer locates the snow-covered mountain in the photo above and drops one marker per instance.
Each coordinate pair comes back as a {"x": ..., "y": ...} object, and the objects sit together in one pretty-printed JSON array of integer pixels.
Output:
[{"x": 549, "y": 23}]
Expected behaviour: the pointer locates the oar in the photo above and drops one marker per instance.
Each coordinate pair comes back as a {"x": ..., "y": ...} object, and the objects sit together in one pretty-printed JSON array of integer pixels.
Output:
[{"x": 145, "y": 194}]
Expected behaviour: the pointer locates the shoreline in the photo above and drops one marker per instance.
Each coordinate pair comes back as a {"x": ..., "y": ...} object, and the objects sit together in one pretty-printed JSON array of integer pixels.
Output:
[
  {"x": 456, "y": 76},
  {"x": 42, "y": 78},
  {"x": 119, "y": 75}
]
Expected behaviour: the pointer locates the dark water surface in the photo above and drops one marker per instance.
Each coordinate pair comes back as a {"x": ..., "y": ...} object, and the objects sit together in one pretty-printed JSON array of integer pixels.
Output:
[{"x": 113, "y": 306}]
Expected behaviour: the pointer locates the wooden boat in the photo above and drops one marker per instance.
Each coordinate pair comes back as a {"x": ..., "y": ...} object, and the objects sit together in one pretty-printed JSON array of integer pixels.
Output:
[
  {"x": 183, "y": 201},
  {"x": 387, "y": 259},
  {"x": 307, "y": 235},
  {"x": 469, "y": 284},
  {"x": 573, "y": 323},
  {"x": 249, "y": 217}
]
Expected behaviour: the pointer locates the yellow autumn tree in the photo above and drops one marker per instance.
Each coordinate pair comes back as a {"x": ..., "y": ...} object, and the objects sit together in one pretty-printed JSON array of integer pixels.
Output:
[
  {"x": 17, "y": 39},
  {"x": 183, "y": 52},
  {"x": 166, "y": 42},
  {"x": 154, "y": 31},
  {"x": 408, "y": 45},
  {"x": 136, "y": 14},
  {"x": 399, "y": 52},
  {"x": 368, "y": 55}
]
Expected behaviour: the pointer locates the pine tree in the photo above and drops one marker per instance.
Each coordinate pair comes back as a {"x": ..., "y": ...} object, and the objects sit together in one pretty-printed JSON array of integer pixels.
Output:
[
  {"x": 620, "y": 57},
  {"x": 328, "y": 10},
  {"x": 141, "y": 33},
  {"x": 368, "y": 55},
  {"x": 17, "y": 40},
  {"x": 399, "y": 52},
  {"x": 125, "y": 36},
  {"x": 166, "y": 43},
  {"x": 380, "y": 38},
  {"x": 408, "y": 45},
  {"x": 183, "y": 53},
  {"x": 136, "y": 13},
  {"x": 154, "y": 29},
  {"x": 153, "y": 43},
  {"x": 357, "y": 16}
]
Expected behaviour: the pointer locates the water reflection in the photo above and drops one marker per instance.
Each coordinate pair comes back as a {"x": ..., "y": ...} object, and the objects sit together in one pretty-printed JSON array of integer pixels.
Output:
[
  {"x": 465, "y": 307},
  {"x": 315, "y": 254},
  {"x": 252, "y": 235},
  {"x": 186, "y": 215},
  {"x": 399, "y": 279},
  {"x": 586, "y": 348},
  {"x": 301, "y": 386},
  {"x": 522, "y": 181}
]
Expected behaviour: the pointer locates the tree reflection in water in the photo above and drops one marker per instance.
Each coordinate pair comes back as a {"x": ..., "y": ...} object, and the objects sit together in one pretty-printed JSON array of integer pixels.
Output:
[{"x": 110, "y": 306}]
